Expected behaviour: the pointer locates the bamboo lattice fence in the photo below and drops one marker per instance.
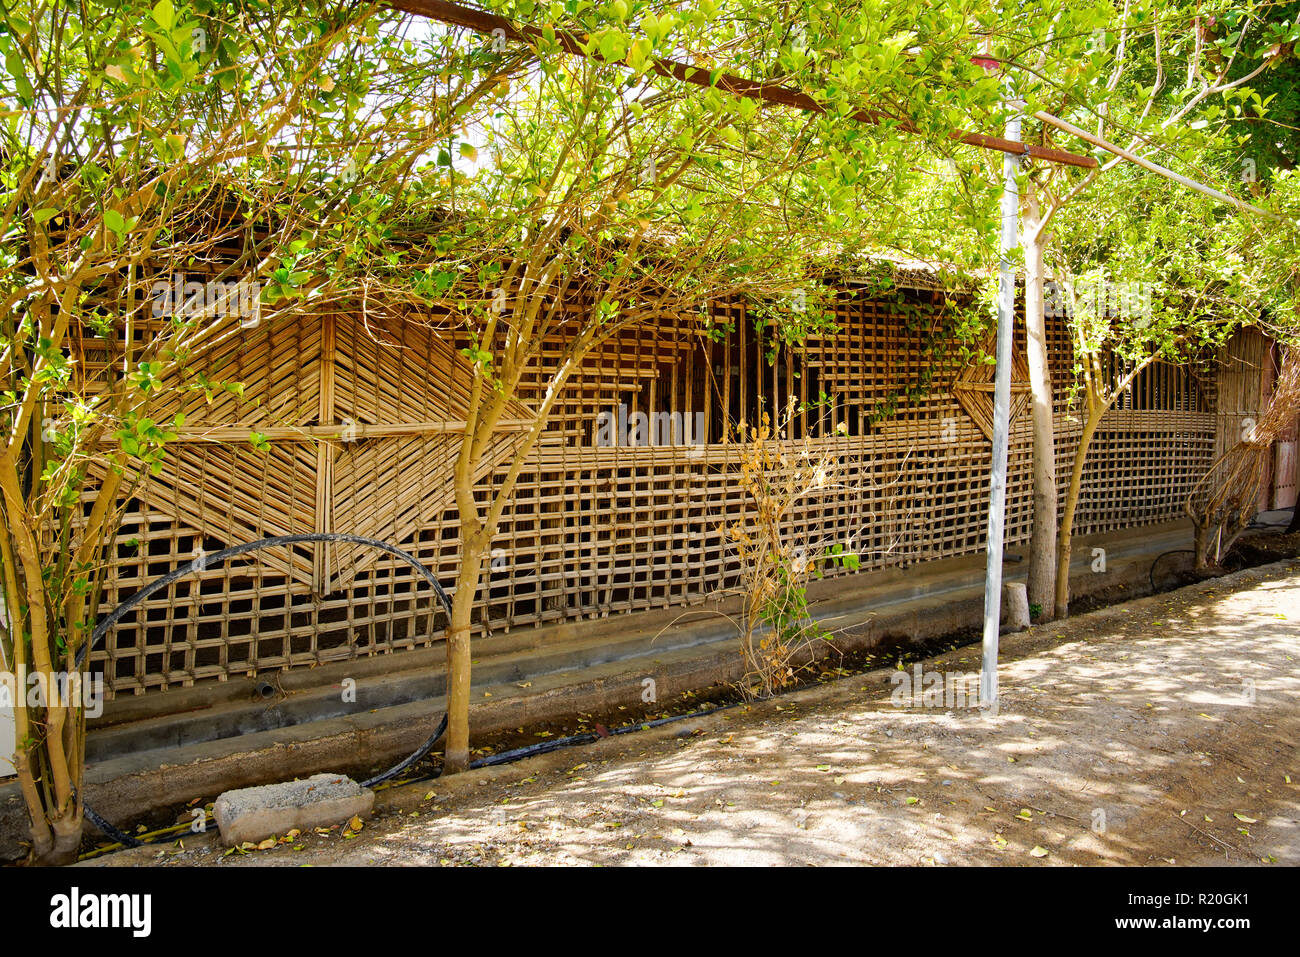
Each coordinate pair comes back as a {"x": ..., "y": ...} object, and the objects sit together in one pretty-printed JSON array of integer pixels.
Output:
[{"x": 362, "y": 424}]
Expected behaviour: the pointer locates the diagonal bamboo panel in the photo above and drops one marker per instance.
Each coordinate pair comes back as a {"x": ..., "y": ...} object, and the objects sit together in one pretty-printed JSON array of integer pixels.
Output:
[{"x": 393, "y": 373}]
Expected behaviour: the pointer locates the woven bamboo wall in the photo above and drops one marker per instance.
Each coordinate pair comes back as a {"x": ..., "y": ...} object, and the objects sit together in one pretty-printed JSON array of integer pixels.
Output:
[{"x": 594, "y": 529}]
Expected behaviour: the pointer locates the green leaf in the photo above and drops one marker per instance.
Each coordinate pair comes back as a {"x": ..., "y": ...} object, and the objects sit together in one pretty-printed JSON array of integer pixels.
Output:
[
  {"x": 164, "y": 14},
  {"x": 638, "y": 56},
  {"x": 17, "y": 69}
]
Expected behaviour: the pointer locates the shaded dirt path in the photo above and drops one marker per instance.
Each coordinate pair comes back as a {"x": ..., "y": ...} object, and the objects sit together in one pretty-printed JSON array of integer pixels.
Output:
[{"x": 1161, "y": 731}]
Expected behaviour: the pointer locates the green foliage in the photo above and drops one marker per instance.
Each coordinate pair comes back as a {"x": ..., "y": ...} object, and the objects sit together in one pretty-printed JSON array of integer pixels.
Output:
[{"x": 144, "y": 439}]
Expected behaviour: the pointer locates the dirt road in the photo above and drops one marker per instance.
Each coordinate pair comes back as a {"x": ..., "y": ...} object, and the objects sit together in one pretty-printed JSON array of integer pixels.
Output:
[{"x": 1161, "y": 731}]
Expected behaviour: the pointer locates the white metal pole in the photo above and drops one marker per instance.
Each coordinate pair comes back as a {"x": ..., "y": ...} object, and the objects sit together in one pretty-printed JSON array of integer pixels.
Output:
[{"x": 1001, "y": 421}]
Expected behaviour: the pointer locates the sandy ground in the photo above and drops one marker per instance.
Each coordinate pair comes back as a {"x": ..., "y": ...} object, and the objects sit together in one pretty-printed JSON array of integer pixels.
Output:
[{"x": 1159, "y": 732}]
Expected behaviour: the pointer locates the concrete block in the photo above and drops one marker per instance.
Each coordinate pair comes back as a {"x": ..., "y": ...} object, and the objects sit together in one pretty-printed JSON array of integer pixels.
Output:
[
  {"x": 253, "y": 814},
  {"x": 1015, "y": 606}
]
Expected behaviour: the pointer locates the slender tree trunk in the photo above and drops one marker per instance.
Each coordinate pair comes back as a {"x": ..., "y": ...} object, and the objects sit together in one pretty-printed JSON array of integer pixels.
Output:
[
  {"x": 1042, "y": 545},
  {"x": 1201, "y": 544},
  {"x": 1095, "y": 411},
  {"x": 67, "y": 839},
  {"x": 456, "y": 752}
]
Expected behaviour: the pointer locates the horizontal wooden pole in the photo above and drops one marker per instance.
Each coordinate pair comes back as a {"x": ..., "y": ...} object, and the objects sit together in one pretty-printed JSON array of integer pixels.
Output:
[
  {"x": 237, "y": 434},
  {"x": 987, "y": 387}
]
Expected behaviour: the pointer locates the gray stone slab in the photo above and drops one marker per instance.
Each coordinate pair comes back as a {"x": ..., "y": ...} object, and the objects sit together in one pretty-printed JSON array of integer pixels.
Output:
[{"x": 254, "y": 814}]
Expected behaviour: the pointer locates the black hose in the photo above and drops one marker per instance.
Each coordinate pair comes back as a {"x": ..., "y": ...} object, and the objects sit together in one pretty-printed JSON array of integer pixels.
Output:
[
  {"x": 126, "y": 840},
  {"x": 419, "y": 752},
  {"x": 545, "y": 747},
  {"x": 493, "y": 760},
  {"x": 1172, "y": 551},
  {"x": 221, "y": 557}
]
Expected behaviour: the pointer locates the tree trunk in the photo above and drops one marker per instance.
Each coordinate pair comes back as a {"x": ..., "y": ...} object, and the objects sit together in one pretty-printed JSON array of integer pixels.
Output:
[
  {"x": 1042, "y": 545},
  {"x": 1067, "y": 516},
  {"x": 1201, "y": 544},
  {"x": 67, "y": 840},
  {"x": 456, "y": 751}
]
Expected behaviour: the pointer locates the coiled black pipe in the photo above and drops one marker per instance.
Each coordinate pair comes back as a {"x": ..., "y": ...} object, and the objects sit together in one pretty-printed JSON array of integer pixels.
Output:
[
  {"x": 110, "y": 830},
  {"x": 416, "y": 755},
  {"x": 204, "y": 561}
]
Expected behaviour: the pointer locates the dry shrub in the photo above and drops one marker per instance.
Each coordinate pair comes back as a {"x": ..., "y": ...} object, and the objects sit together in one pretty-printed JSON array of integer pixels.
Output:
[
  {"x": 777, "y": 553},
  {"x": 1222, "y": 504}
]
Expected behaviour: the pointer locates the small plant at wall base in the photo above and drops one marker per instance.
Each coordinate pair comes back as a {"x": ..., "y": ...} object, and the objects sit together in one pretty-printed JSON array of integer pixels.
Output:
[{"x": 777, "y": 632}]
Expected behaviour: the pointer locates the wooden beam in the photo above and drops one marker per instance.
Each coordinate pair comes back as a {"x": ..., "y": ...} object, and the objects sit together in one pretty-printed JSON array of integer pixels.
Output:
[{"x": 238, "y": 434}]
